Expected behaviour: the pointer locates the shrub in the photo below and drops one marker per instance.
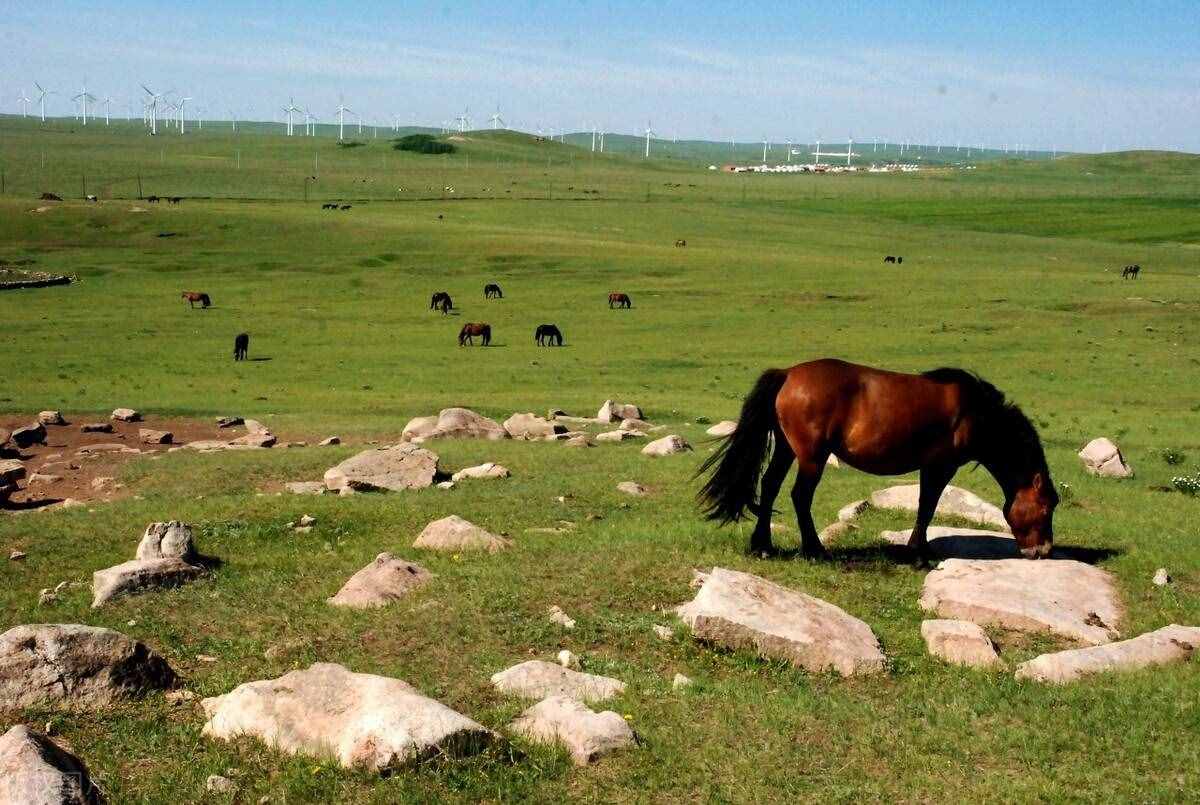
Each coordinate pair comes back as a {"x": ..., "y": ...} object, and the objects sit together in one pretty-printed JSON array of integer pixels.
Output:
[
  {"x": 1172, "y": 456},
  {"x": 1187, "y": 484},
  {"x": 423, "y": 144}
]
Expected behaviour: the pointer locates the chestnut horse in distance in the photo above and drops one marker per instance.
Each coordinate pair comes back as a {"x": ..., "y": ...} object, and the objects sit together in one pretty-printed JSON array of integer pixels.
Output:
[
  {"x": 617, "y": 299},
  {"x": 884, "y": 423},
  {"x": 471, "y": 329}
]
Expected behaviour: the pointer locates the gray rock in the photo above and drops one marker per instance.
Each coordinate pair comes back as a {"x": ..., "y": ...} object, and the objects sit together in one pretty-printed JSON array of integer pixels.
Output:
[
  {"x": 741, "y": 611},
  {"x": 579, "y": 440},
  {"x": 111, "y": 447},
  {"x": 169, "y": 540},
  {"x": 587, "y": 735},
  {"x": 615, "y": 412},
  {"x": 254, "y": 426},
  {"x": 385, "y": 580},
  {"x": 454, "y": 534},
  {"x": 631, "y": 488},
  {"x": 51, "y": 418},
  {"x": 725, "y": 427},
  {"x": 420, "y": 428},
  {"x": 954, "y": 501},
  {"x": 368, "y": 722},
  {"x": 404, "y": 466},
  {"x": 28, "y": 435},
  {"x": 561, "y": 618},
  {"x": 666, "y": 446},
  {"x": 680, "y": 682},
  {"x": 85, "y": 666},
  {"x": 148, "y": 436},
  {"x": 1169, "y": 644},
  {"x": 463, "y": 423},
  {"x": 532, "y": 427},
  {"x": 126, "y": 415},
  {"x": 1161, "y": 577},
  {"x": 256, "y": 438},
  {"x": 44, "y": 478},
  {"x": 487, "y": 470},
  {"x": 11, "y": 471},
  {"x": 229, "y": 421},
  {"x": 1102, "y": 457},
  {"x": 617, "y": 436},
  {"x": 216, "y": 784},
  {"x": 141, "y": 575},
  {"x": 329, "y": 442},
  {"x": 36, "y": 771},
  {"x": 537, "y": 679},
  {"x": 959, "y": 643},
  {"x": 305, "y": 487}
]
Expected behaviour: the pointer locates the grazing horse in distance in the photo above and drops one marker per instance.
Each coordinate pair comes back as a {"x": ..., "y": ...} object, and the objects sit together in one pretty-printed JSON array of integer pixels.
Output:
[
  {"x": 1130, "y": 271},
  {"x": 329, "y": 206},
  {"x": 892, "y": 258},
  {"x": 617, "y": 299},
  {"x": 441, "y": 301},
  {"x": 548, "y": 335},
  {"x": 679, "y": 244},
  {"x": 193, "y": 297},
  {"x": 347, "y": 206},
  {"x": 492, "y": 291},
  {"x": 152, "y": 199},
  {"x": 241, "y": 346},
  {"x": 471, "y": 329},
  {"x": 884, "y": 423},
  {"x": 175, "y": 199}
]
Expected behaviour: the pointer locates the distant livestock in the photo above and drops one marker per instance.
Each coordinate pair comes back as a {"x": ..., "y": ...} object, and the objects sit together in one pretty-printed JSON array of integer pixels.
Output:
[
  {"x": 891, "y": 258},
  {"x": 241, "y": 346},
  {"x": 152, "y": 199},
  {"x": 619, "y": 300},
  {"x": 90, "y": 197},
  {"x": 346, "y": 206},
  {"x": 329, "y": 206},
  {"x": 441, "y": 301},
  {"x": 471, "y": 329},
  {"x": 175, "y": 199},
  {"x": 548, "y": 335},
  {"x": 193, "y": 297},
  {"x": 492, "y": 291},
  {"x": 679, "y": 244},
  {"x": 1130, "y": 271}
]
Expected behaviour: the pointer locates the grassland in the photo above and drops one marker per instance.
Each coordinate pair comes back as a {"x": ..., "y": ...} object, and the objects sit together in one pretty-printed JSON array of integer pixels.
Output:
[{"x": 1010, "y": 270}]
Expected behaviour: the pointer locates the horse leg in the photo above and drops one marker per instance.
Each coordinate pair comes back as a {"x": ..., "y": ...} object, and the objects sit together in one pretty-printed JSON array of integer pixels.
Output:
[
  {"x": 933, "y": 482},
  {"x": 808, "y": 475},
  {"x": 777, "y": 470}
]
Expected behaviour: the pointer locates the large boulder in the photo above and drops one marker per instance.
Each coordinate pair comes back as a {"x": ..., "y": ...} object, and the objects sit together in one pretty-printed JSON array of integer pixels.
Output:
[
  {"x": 11, "y": 471},
  {"x": 1060, "y": 596},
  {"x": 1169, "y": 644},
  {"x": 86, "y": 666},
  {"x": 150, "y": 436},
  {"x": 455, "y": 534},
  {"x": 463, "y": 423},
  {"x": 532, "y": 427},
  {"x": 725, "y": 427},
  {"x": 666, "y": 446},
  {"x": 366, "y": 721},
  {"x": 741, "y": 611},
  {"x": 944, "y": 542},
  {"x": 586, "y": 734},
  {"x": 954, "y": 501},
  {"x": 488, "y": 469},
  {"x": 537, "y": 679},
  {"x": 419, "y": 428},
  {"x": 403, "y": 466},
  {"x": 1102, "y": 457},
  {"x": 29, "y": 435},
  {"x": 140, "y": 575},
  {"x": 51, "y": 418},
  {"x": 615, "y": 412},
  {"x": 169, "y": 540},
  {"x": 959, "y": 643},
  {"x": 36, "y": 771},
  {"x": 385, "y": 580}
]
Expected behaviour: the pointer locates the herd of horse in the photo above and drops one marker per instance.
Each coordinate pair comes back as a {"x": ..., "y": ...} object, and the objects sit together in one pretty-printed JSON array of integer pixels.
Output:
[{"x": 546, "y": 335}]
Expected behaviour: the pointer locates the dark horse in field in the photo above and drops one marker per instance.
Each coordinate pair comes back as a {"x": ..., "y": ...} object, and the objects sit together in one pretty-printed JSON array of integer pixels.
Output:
[
  {"x": 548, "y": 335},
  {"x": 884, "y": 423},
  {"x": 441, "y": 301},
  {"x": 891, "y": 258},
  {"x": 193, "y": 297},
  {"x": 241, "y": 345},
  {"x": 619, "y": 300},
  {"x": 1130, "y": 271},
  {"x": 471, "y": 329},
  {"x": 492, "y": 291}
]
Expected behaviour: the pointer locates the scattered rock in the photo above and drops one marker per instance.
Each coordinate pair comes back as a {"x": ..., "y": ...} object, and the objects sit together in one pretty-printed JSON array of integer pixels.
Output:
[
  {"x": 216, "y": 784},
  {"x": 147, "y": 436},
  {"x": 254, "y": 426},
  {"x": 103, "y": 482},
  {"x": 404, "y": 466},
  {"x": 51, "y": 418},
  {"x": 487, "y": 470},
  {"x": 36, "y": 771},
  {"x": 1062, "y": 596},
  {"x": 617, "y": 436},
  {"x": 568, "y": 659},
  {"x": 945, "y": 542},
  {"x": 680, "y": 682},
  {"x": 96, "y": 427},
  {"x": 11, "y": 471},
  {"x": 664, "y": 632},
  {"x": 209, "y": 445},
  {"x": 126, "y": 415},
  {"x": 463, "y": 423},
  {"x": 635, "y": 426},
  {"x": 179, "y": 696},
  {"x": 305, "y": 487},
  {"x": 43, "y": 478},
  {"x": 615, "y": 412},
  {"x": 419, "y": 428},
  {"x": 1169, "y": 644},
  {"x": 1161, "y": 577},
  {"x": 832, "y": 462},
  {"x": 28, "y": 436},
  {"x": 373, "y": 722},
  {"x": 46, "y": 597},
  {"x": 587, "y": 734},
  {"x": 447, "y": 485},
  {"x": 385, "y": 580},
  {"x": 631, "y": 488},
  {"x": 453, "y": 533},
  {"x": 256, "y": 438},
  {"x": 108, "y": 447},
  {"x": 329, "y": 442},
  {"x": 954, "y": 501},
  {"x": 725, "y": 427},
  {"x": 16, "y": 556},
  {"x": 536, "y": 679},
  {"x": 852, "y": 510},
  {"x": 835, "y": 531},
  {"x": 87, "y": 666},
  {"x": 741, "y": 611},
  {"x": 561, "y": 618},
  {"x": 169, "y": 540},
  {"x": 959, "y": 643},
  {"x": 579, "y": 440},
  {"x": 530, "y": 427},
  {"x": 139, "y": 575},
  {"x": 306, "y": 521},
  {"x": 229, "y": 421},
  {"x": 1102, "y": 457},
  {"x": 666, "y": 446}
]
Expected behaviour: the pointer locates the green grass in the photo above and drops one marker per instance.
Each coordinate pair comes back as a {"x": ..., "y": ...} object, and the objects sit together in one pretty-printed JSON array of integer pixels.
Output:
[{"x": 1010, "y": 270}]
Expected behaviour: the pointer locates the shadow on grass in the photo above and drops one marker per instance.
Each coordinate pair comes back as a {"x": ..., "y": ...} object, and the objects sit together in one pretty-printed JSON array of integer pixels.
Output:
[{"x": 987, "y": 548}]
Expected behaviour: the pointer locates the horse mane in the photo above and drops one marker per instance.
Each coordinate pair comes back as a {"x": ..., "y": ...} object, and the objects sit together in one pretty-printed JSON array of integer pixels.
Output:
[{"x": 999, "y": 417}]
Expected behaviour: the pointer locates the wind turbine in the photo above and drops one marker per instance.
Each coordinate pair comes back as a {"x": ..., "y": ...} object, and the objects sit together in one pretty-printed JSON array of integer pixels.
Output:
[
  {"x": 83, "y": 97},
  {"x": 42, "y": 93},
  {"x": 24, "y": 100},
  {"x": 649, "y": 134},
  {"x": 341, "y": 113},
  {"x": 289, "y": 110},
  {"x": 152, "y": 108},
  {"x": 765, "y": 146},
  {"x": 182, "y": 115},
  {"x": 497, "y": 121}
]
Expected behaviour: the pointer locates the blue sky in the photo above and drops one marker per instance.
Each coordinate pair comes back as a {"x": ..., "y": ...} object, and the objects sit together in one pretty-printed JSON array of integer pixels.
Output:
[{"x": 1080, "y": 76}]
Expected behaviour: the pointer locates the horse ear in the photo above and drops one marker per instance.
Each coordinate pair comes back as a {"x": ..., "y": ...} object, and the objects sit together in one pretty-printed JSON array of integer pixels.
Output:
[{"x": 1037, "y": 482}]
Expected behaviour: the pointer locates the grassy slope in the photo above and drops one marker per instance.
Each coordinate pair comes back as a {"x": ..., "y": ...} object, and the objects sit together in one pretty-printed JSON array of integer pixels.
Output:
[{"x": 789, "y": 272}]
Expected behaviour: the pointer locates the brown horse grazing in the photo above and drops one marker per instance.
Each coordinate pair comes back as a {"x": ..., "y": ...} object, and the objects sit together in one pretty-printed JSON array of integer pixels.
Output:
[
  {"x": 193, "y": 297},
  {"x": 884, "y": 423},
  {"x": 471, "y": 329},
  {"x": 619, "y": 300}
]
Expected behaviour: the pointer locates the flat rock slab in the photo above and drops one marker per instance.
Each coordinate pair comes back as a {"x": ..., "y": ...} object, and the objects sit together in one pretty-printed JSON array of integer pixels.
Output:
[
  {"x": 404, "y": 466},
  {"x": 453, "y": 533},
  {"x": 463, "y": 423},
  {"x": 725, "y": 427},
  {"x": 618, "y": 435},
  {"x": 530, "y": 426},
  {"x": 1169, "y": 644},
  {"x": 631, "y": 488},
  {"x": 149, "y": 436},
  {"x": 741, "y": 611},
  {"x": 1102, "y": 457},
  {"x": 385, "y": 580},
  {"x": 537, "y": 679},
  {"x": 667, "y": 446},
  {"x": 1060, "y": 596},
  {"x": 126, "y": 415},
  {"x": 365, "y": 721},
  {"x": 954, "y": 501},
  {"x": 305, "y": 487},
  {"x": 959, "y": 643},
  {"x": 945, "y": 542},
  {"x": 141, "y": 575},
  {"x": 36, "y": 771},
  {"x": 86, "y": 666},
  {"x": 489, "y": 469},
  {"x": 586, "y": 734}
]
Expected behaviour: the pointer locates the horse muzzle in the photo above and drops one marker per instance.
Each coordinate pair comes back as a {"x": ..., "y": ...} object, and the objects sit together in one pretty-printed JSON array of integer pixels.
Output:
[{"x": 1039, "y": 551}]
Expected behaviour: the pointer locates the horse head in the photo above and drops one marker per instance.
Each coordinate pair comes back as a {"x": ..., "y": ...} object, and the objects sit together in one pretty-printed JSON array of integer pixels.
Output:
[{"x": 1029, "y": 511}]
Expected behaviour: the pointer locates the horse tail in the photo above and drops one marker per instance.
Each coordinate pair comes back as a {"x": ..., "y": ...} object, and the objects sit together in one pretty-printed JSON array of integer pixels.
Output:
[{"x": 735, "y": 468}]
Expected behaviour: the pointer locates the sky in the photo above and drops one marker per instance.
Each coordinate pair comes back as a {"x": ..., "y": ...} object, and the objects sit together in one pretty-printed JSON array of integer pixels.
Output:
[{"x": 1079, "y": 76}]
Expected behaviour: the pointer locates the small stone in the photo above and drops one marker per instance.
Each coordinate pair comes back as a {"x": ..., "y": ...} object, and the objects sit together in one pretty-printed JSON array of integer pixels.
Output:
[
  {"x": 148, "y": 436},
  {"x": 586, "y": 734},
  {"x": 96, "y": 427},
  {"x": 1161, "y": 577},
  {"x": 579, "y": 440},
  {"x": 126, "y": 415},
  {"x": 46, "y": 597},
  {"x": 179, "y": 696},
  {"x": 43, "y": 478},
  {"x": 617, "y": 436},
  {"x": 453, "y": 533},
  {"x": 205, "y": 658},
  {"x": 723, "y": 428},
  {"x": 29, "y": 435},
  {"x": 631, "y": 488},
  {"x": 302, "y": 529},
  {"x": 487, "y": 470},
  {"x": 305, "y": 487},
  {"x": 959, "y": 643},
  {"x": 680, "y": 682},
  {"x": 568, "y": 659},
  {"x": 36, "y": 771},
  {"x": 561, "y": 618},
  {"x": 216, "y": 784},
  {"x": 229, "y": 421},
  {"x": 1170, "y": 644},
  {"x": 666, "y": 446},
  {"x": 16, "y": 556},
  {"x": 385, "y": 580},
  {"x": 445, "y": 485},
  {"x": 51, "y": 418},
  {"x": 307, "y": 520},
  {"x": 536, "y": 679},
  {"x": 1103, "y": 458},
  {"x": 102, "y": 482},
  {"x": 329, "y": 442},
  {"x": 664, "y": 632}
]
